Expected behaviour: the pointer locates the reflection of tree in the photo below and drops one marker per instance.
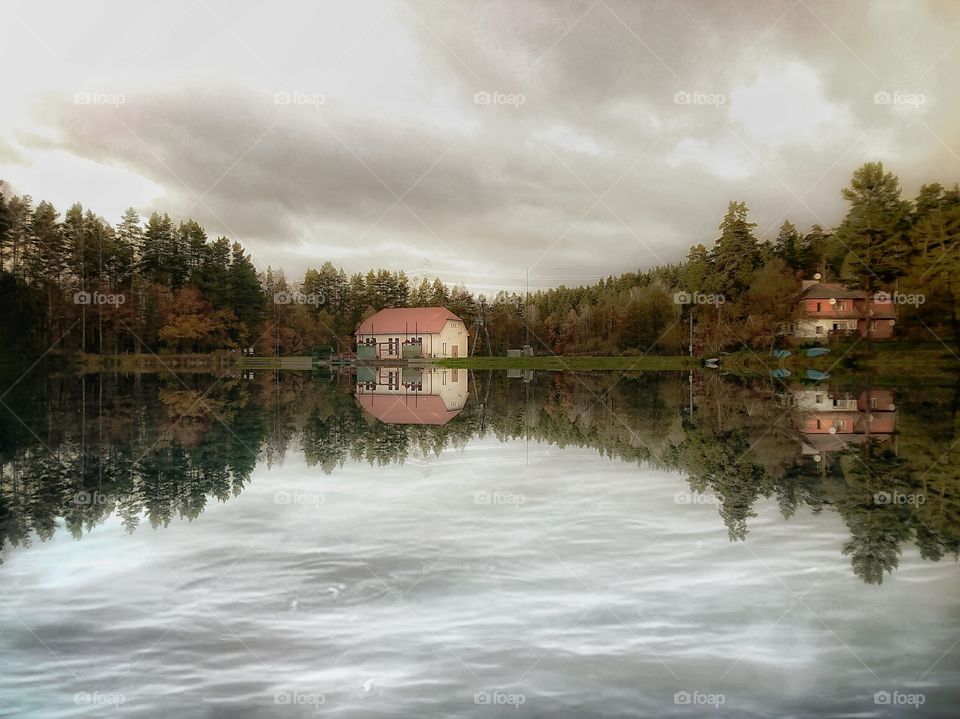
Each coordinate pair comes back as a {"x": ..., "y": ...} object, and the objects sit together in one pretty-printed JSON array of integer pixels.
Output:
[
  {"x": 886, "y": 505},
  {"x": 156, "y": 449},
  {"x": 148, "y": 448}
]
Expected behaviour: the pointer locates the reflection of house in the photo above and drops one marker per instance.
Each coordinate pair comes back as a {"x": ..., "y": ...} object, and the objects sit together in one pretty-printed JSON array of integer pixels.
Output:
[
  {"x": 411, "y": 395},
  {"x": 404, "y": 332},
  {"x": 830, "y": 309},
  {"x": 832, "y": 421}
]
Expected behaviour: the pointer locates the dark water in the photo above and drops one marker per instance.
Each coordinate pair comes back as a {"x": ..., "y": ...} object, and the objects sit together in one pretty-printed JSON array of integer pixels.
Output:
[{"x": 462, "y": 544}]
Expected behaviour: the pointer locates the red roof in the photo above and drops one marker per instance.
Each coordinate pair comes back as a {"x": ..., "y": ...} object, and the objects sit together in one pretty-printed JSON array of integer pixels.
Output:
[
  {"x": 407, "y": 409},
  {"x": 407, "y": 320}
]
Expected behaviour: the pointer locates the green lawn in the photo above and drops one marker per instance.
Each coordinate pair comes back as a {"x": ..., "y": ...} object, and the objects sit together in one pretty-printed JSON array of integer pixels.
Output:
[{"x": 552, "y": 362}]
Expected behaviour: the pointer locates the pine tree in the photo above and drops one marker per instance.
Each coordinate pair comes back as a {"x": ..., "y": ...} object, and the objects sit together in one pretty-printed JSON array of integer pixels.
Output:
[
  {"x": 736, "y": 253},
  {"x": 787, "y": 245},
  {"x": 247, "y": 299},
  {"x": 875, "y": 228}
]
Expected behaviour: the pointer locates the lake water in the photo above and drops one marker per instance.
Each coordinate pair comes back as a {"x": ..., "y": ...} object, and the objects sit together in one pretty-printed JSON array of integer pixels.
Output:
[{"x": 455, "y": 544}]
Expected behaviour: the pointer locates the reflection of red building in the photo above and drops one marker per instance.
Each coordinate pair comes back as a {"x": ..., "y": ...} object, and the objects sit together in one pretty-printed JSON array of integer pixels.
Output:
[
  {"x": 406, "y": 395},
  {"x": 831, "y": 421},
  {"x": 409, "y": 409},
  {"x": 830, "y": 309}
]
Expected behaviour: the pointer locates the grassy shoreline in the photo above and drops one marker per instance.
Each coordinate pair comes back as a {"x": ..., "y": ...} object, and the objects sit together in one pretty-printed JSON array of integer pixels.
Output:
[
  {"x": 579, "y": 363},
  {"x": 894, "y": 361},
  {"x": 146, "y": 362}
]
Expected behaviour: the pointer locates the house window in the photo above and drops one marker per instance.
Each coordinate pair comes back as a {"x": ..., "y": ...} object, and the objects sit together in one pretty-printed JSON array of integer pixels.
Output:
[
  {"x": 819, "y": 330},
  {"x": 873, "y": 403},
  {"x": 818, "y": 306},
  {"x": 841, "y": 425},
  {"x": 841, "y": 304},
  {"x": 819, "y": 398},
  {"x": 819, "y": 424},
  {"x": 873, "y": 325}
]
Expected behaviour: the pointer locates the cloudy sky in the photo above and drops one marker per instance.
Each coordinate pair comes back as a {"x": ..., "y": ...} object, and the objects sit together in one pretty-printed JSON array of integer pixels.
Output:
[{"x": 481, "y": 141}]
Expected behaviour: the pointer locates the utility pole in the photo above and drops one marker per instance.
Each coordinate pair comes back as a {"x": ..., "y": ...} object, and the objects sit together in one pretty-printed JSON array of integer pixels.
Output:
[
  {"x": 483, "y": 322},
  {"x": 526, "y": 314}
]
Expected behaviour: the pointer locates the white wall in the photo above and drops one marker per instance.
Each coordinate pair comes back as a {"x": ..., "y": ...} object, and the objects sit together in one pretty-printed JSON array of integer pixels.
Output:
[{"x": 440, "y": 344}]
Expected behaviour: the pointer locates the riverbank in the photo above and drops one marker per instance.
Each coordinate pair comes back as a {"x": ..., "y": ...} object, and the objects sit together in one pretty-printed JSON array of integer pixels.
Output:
[
  {"x": 146, "y": 362},
  {"x": 556, "y": 362},
  {"x": 882, "y": 361}
]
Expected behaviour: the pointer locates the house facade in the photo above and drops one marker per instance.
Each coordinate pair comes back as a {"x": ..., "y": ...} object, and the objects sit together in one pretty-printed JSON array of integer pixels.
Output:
[
  {"x": 831, "y": 310},
  {"x": 408, "y": 332},
  {"x": 831, "y": 421},
  {"x": 411, "y": 395}
]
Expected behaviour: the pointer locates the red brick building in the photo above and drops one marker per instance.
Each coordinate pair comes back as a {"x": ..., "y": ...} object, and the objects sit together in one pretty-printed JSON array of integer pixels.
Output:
[{"x": 831, "y": 310}]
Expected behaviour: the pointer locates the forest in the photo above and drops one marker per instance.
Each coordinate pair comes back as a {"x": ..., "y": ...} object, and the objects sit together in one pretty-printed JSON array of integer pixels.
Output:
[
  {"x": 75, "y": 283},
  {"x": 147, "y": 447}
]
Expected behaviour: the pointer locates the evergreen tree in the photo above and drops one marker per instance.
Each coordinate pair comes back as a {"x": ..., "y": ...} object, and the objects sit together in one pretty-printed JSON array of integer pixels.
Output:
[
  {"x": 875, "y": 228},
  {"x": 736, "y": 254}
]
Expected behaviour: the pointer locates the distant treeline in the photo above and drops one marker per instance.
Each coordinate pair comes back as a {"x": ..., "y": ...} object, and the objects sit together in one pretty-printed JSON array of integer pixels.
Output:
[{"x": 156, "y": 285}]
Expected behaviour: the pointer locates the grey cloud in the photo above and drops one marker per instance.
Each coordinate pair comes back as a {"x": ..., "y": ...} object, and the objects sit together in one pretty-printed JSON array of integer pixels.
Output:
[{"x": 596, "y": 100}]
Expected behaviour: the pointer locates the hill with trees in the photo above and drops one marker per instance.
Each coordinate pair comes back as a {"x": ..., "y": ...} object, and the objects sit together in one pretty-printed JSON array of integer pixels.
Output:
[{"x": 77, "y": 284}]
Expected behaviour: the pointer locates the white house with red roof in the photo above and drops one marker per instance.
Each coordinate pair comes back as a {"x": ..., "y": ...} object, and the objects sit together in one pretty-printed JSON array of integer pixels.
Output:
[
  {"x": 411, "y": 395},
  {"x": 405, "y": 332}
]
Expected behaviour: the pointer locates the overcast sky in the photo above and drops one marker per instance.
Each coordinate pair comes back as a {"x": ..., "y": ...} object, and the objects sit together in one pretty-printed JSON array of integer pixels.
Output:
[{"x": 480, "y": 140}]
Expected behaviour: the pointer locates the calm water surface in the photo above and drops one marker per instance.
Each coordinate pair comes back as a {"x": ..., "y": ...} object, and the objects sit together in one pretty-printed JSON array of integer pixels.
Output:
[{"x": 451, "y": 544}]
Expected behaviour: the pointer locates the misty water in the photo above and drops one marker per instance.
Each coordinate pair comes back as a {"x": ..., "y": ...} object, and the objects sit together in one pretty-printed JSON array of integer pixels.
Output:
[{"x": 395, "y": 542}]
